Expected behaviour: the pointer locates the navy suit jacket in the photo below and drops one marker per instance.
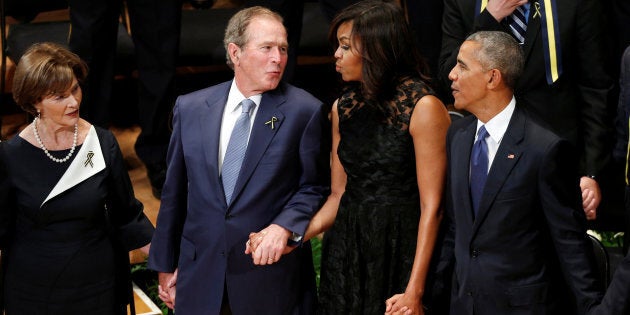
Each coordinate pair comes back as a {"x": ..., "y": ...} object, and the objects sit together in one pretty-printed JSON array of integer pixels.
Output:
[
  {"x": 617, "y": 298},
  {"x": 283, "y": 181},
  {"x": 575, "y": 106},
  {"x": 527, "y": 246}
]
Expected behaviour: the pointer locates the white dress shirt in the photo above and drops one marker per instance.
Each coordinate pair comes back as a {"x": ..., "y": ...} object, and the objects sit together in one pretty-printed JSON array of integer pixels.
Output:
[
  {"x": 496, "y": 128},
  {"x": 230, "y": 115}
]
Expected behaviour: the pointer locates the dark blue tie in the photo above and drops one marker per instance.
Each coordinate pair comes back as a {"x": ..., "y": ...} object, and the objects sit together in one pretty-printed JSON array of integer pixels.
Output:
[
  {"x": 478, "y": 168},
  {"x": 518, "y": 24},
  {"x": 236, "y": 148}
]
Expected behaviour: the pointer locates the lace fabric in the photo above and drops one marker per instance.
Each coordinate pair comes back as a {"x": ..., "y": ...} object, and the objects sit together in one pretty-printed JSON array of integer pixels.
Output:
[{"x": 368, "y": 253}]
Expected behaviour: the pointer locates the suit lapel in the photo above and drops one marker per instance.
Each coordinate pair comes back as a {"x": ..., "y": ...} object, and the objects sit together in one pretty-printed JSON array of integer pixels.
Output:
[
  {"x": 507, "y": 156},
  {"x": 460, "y": 158},
  {"x": 267, "y": 123},
  {"x": 210, "y": 126}
]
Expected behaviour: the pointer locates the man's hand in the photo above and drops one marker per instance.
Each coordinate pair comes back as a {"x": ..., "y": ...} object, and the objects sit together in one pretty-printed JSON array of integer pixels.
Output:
[
  {"x": 268, "y": 245},
  {"x": 591, "y": 197},
  {"x": 166, "y": 287},
  {"x": 500, "y": 9},
  {"x": 256, "y": 238}
]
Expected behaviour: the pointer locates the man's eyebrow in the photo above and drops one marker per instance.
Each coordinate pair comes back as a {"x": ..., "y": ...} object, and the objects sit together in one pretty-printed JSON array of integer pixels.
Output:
[{"x": 461, "y": 62}]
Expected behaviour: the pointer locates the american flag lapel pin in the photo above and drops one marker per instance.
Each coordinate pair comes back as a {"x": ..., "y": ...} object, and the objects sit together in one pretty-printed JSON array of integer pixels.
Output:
[{"x": 510, "y": 156}]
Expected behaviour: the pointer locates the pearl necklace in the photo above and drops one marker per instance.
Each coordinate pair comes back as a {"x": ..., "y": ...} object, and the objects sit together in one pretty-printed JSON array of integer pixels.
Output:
[{"x": 41, "y": 144}]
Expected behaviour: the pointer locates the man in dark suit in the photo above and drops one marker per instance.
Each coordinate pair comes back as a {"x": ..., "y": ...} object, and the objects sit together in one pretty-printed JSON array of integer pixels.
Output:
[
  {"x": 564, "y": 83},
  {"x": 622, "y": 148},
  {"x": 514, "y": 227},
  {"x": 617, "y": 298},
  {"x": 204, "y": 222}
]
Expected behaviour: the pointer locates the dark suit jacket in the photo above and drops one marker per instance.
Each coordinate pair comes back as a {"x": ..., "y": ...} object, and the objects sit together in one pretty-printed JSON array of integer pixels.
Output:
[
  {"x": 282, "y": 181},
  {"x": 623, "y": 112},
  {"x": 527, "y": 247},
  {"x": 575, "y": 106},
  {"x": 617, "y": 298}
]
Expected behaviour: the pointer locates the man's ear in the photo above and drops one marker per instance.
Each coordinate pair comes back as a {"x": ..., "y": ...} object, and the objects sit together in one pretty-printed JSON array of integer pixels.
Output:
[
  {"x": 495, "y": 78},
  {"x": 234, "y": 52}
]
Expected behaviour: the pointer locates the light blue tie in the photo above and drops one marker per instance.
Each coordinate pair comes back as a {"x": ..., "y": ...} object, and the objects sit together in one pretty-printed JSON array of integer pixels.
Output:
[
  {"x": 478, "y": 168},
  {"x": 236, "y": 148},
  {"x": 518, "y": 24}
]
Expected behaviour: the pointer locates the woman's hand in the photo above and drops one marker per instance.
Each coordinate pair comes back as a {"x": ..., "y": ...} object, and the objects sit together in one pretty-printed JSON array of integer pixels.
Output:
[
  {"x": 145, "y": 249},
  {"x": 404, "y": 304}
]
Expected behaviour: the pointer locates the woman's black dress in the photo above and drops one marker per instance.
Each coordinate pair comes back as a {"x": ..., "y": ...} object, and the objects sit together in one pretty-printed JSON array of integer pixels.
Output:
[
  {"x": 60, "y": 257},
  {"x": 368, "y": 253}
]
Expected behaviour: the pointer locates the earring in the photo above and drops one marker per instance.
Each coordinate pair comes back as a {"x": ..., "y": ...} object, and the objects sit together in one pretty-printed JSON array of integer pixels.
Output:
[{"x": 39, "y": 114}]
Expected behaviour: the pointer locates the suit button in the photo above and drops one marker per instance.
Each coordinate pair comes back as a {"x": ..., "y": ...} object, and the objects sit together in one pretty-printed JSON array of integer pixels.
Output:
[
  {"x": 228, "y": 216},
  {"x": 475, "y": 253},
  {"x": 469, "y": 293}
]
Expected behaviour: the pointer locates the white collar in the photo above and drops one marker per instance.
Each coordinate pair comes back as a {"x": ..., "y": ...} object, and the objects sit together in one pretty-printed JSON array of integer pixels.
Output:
[
  {"x": 235, "y": 97},
  {"x": 88, "y": 161},
  {"x": 497, "y": 126}
]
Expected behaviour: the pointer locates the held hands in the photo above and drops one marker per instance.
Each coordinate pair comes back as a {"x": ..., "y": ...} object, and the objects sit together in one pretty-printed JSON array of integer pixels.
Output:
[
  {"x": 267, "y": 246},
  {"x": 166, "y": 288},
  {"x": 500, "y": 9},
  {"x": 404, "y": 304},
  {"x": 145, "y": 249},
  {"x": 591, "y": 197}
]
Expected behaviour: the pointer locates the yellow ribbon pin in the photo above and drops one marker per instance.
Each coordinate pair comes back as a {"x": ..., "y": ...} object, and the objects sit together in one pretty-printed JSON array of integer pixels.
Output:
[
  {"x": 537, "y": 8},
  {"x": 271, "y": 122}
]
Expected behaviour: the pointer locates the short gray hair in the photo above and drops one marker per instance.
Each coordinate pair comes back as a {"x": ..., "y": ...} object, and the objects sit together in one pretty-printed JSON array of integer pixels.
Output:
[
  {"x": 499, "y": 50},
  {"x": 236, "y": 30}
]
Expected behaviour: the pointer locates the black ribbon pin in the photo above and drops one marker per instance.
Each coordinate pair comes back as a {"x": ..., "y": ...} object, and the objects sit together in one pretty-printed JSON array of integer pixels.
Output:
[{"x": 89, "y": 159}]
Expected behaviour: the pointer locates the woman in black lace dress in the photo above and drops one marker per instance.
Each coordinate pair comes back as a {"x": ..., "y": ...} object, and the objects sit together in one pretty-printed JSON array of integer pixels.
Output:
[
  {"x": 68, "y": 215},
  {"x": 388, "y": 165},
  {"x": 388, "y": 168}
]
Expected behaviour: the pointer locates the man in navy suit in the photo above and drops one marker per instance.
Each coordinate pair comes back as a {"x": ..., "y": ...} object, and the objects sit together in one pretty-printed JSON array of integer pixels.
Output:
[
  {"x": 518, "y": 242},
  {"x": 617, "y": 298},
  {"x": 201, "y": 233},
  {"x": 567, "y": 90}
]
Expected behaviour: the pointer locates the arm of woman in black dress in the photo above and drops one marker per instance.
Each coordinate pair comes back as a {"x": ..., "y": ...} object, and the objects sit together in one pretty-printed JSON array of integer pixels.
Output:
[
  {"x": 6, "y": 207},
  {"x": 428, "y": 126},
  {"x": 325, "y": 217},
  {"x": 132, "y": 227}
]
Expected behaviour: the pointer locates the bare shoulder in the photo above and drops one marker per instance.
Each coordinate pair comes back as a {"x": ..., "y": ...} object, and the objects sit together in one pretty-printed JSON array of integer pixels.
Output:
[
  {"x": 334, "y": 106},
  {"x": 430, "y": 110}
]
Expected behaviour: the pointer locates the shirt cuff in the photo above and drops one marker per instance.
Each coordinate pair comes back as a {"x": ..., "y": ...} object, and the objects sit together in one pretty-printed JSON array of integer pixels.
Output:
[{"x": 294, "y": 239}]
